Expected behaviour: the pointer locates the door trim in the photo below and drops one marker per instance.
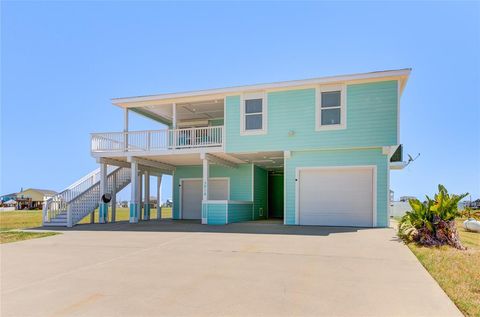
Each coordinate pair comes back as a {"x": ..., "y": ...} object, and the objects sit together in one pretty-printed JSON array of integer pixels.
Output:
[
  {"x": 352, "y": 167},
  {"x": 180, "y": 189}
]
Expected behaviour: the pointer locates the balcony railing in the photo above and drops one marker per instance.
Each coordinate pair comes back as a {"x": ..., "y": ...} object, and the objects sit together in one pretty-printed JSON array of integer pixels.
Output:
[{"x": 157, "y": 140}]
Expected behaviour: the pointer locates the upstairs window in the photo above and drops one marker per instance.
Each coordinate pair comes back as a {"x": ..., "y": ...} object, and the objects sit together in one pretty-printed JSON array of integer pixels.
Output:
[
  {"x": 253, "y": 114},
  {"x": 330, "y": 108}
]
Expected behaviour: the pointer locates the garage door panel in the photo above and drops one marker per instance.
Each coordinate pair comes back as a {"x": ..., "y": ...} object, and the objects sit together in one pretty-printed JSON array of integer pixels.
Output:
[
  {"x": 192, "y": 195},
  {"x": 336, "y": 197},
  {"x": 192, "y": 199}
]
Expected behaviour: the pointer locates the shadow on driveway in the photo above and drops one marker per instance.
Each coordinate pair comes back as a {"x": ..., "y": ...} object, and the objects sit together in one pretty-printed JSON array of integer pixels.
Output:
[{"x": 250, "y": 227}]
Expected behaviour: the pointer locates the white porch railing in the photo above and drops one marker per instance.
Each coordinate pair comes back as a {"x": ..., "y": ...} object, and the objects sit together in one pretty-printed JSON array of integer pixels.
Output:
[
  {"x": 82, "y": 197},
  {"x": 157, "y": 140}
]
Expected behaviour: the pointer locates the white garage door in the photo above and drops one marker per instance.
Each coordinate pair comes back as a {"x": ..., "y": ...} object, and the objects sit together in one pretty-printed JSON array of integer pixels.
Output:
[
  {"x": 192, "y": 195},
  {"x": 336, "y": 197}
]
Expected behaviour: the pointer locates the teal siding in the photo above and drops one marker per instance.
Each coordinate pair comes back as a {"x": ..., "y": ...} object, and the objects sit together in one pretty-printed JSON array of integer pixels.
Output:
[
  {"x": 371, "y": 120},
  {"x": 240, "y": 181},
  {"x": 239, "y": 212},
  {"x": 216, "y": 213},
  {"x": 338, "y": 158},
  {"x": 260, "y": 193}
]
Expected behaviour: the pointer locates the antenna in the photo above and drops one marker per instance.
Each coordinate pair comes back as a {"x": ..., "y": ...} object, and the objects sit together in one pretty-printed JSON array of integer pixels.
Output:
[{"x": 411, "y": 159}]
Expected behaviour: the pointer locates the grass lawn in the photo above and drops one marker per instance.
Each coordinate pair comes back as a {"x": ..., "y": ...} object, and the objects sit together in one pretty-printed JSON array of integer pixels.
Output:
[
  {"x": 11, "y": 220},
  {"x": 123, "y": 214},
  {"x": 457, "y": 272}
]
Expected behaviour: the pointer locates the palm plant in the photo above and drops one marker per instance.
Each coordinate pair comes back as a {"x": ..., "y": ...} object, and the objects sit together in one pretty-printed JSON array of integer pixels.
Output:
[{"x": 432, "y": 223}]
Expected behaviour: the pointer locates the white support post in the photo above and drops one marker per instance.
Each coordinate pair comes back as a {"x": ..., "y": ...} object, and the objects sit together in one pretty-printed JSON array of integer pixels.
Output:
[
  {"x": 139, "y": 195},
  {"x": 103, "y": 207},
  {"x": 134, "y": 192},
  {"x": 206, "y": 173},
  {"x": 114, "y": 198},
  {"x": 146, "y": 199},
  {"x": 125, "y": 129},
  {"x": 69, "y": 216},
  {"x": 174, "y": 115},
  {"x": 159, "y": 197}
]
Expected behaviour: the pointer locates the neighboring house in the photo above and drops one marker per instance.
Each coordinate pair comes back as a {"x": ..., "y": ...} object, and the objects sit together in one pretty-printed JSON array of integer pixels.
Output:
[
  {"x": 8, "y": 197},
  {"x": 311, "y": 152},
  {"x": 33, "y": 198},
  {"x": 407, "y": 198}
]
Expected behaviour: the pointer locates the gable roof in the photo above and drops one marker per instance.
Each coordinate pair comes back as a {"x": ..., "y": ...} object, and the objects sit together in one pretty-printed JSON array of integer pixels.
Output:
[
  {"x": 45, "y": 192},
  {"x": 398, "y": 74}
]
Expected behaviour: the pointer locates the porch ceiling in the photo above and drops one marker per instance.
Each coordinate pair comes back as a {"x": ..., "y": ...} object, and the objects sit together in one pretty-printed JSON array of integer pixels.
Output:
[
  {"x": 272, "y": 161},
  {"x": 188, "y": 111}
]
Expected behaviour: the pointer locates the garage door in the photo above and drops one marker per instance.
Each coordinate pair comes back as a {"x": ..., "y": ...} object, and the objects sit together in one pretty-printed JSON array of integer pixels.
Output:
[
  {"x": 336, "y": 197},
  {"x": 192, "y": 195}
]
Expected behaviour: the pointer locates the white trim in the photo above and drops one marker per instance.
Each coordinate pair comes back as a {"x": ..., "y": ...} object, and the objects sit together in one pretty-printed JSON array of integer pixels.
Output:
[
  {"x": 180, "y": 188},
  {"x": 343, "y": 107},
  {"x": 224, "y": 132},
  {"x": 402, "y": 73},
  {"x": 264, "y": 113},
  {"x": 398, "y": 111},
  {"x": 253, "y": 191},
  {"x": 374, "y": 185}
]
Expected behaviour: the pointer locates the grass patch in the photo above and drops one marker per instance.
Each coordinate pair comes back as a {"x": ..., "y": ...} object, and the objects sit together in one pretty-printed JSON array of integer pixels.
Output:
[
  {"x": 20, "y": 219},
  {"x": 123, "y": 214},
  {"x": 11, "y": 220},
  {"x": 14, "y": 236},
  {"x": 457, "y": 272}
]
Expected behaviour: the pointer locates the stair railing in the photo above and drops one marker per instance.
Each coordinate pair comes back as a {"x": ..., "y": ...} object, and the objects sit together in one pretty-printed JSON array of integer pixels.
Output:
[{"x": 59, "y": 203}]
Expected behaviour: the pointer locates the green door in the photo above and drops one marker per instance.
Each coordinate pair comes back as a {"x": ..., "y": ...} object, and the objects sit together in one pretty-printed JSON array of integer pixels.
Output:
[{"x": 275, "y": 196}]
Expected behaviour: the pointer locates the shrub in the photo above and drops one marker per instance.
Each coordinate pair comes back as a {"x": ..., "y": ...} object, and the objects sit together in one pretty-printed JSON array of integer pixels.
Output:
[{"x": 432, "y": 223}]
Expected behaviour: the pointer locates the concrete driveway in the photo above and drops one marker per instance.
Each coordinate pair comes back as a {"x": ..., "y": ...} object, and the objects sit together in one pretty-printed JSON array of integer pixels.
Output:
[{"x": 176, "y": 268}]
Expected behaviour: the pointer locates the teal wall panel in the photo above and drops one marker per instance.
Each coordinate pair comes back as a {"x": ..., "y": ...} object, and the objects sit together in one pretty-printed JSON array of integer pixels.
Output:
[
  {"x": 240, "y": 181},
  {"x": 260, "y": 193},
  {"x": 216, "y": 214},
  {"x": 239, "y": 212},
  {"x": 275, "y": 196},
  {"x": 339, "y": 158},
  {"x": 371, "y": 120}
]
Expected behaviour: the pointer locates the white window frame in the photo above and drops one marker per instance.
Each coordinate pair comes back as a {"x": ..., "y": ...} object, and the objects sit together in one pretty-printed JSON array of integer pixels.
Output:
[
  {"x": 248, "y": 96},
  {"x": 318, "y": 108}
]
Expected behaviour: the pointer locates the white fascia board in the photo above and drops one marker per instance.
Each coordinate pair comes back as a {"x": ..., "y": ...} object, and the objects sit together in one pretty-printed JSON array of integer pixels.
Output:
[{"x": 402, "y": 74}]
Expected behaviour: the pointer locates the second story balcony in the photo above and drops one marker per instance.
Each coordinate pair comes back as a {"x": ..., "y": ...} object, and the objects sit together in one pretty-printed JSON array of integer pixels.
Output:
[{"x": 165, "y": 140}]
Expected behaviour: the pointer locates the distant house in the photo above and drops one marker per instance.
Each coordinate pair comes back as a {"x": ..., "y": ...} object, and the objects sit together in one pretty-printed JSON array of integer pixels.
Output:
[
  {"x": 33, "y": 198},
  {"x": 7, "y": 197},
  {"x": 407, "y": 198}
]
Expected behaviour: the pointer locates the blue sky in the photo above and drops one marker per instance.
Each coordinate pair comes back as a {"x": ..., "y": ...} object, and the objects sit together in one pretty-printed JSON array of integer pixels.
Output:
[{"x": 63, "y": 61}]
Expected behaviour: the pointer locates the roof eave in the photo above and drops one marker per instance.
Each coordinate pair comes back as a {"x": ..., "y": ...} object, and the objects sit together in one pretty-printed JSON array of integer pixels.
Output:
[{"x": 401, "y": 74}]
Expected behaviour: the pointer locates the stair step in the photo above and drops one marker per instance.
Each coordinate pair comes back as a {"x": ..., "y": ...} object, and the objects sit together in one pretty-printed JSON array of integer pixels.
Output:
[{"x": 55, "y": 224}]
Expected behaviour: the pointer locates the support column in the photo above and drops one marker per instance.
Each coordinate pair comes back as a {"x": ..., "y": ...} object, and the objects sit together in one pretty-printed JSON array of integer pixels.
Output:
[
  {"x": 125, "y": 129},
  {"x": 134, "y": 192},
  {"x": 206, "y": 172},
  {"x": 103, "y": 207},
  {"x": 114, "y": 198},
  {"x": 159, "y": 197},
  {"x": 174, "y": 115},
  {"x": 139, "y": 196},
  {"x": 146, "y": 199}
]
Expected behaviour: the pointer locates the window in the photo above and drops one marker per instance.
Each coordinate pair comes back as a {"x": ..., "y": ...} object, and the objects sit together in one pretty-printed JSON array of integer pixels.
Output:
[
  {"x": 253, "y": 114},
  {"x": 330, "y": 108}
]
